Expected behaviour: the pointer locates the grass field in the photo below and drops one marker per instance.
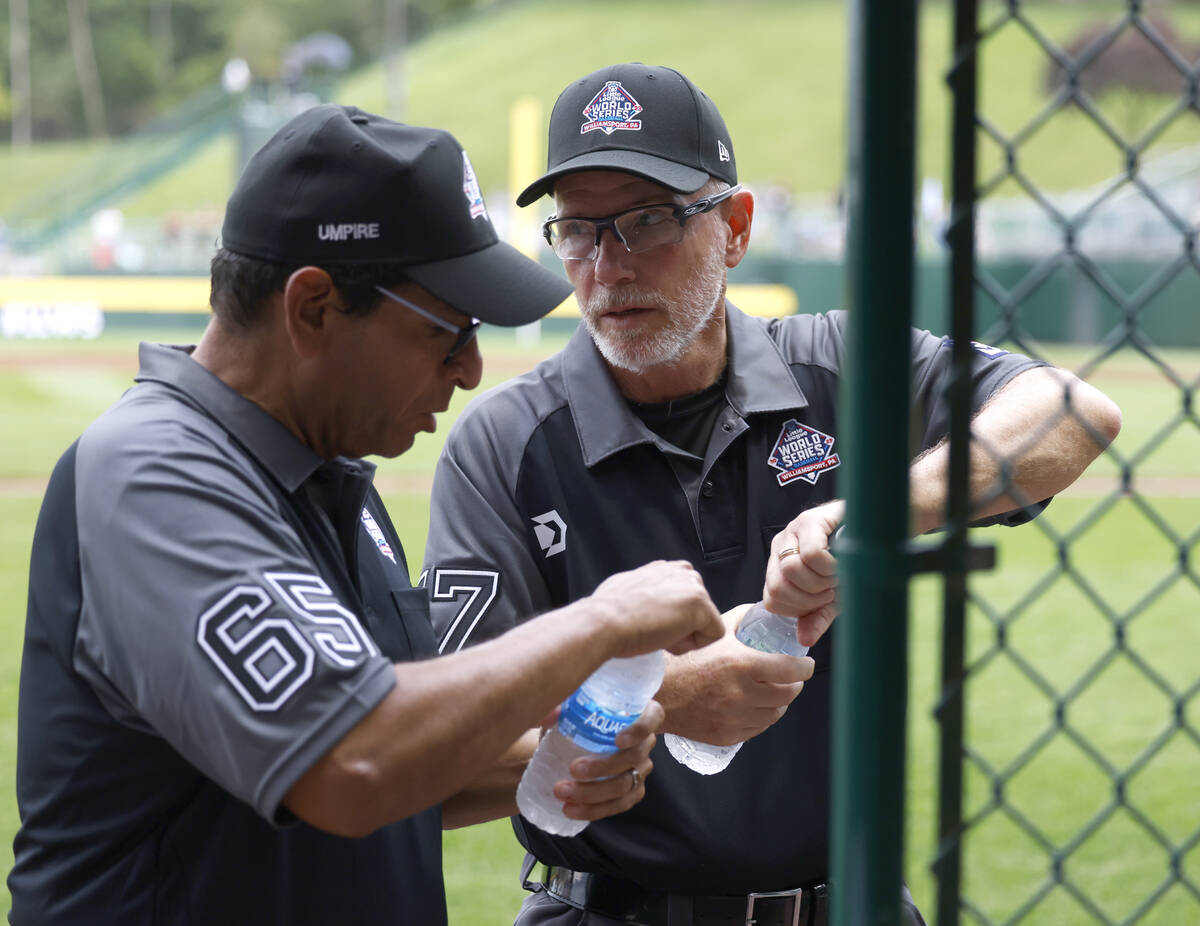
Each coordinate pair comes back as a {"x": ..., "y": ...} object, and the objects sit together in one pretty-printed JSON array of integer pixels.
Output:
[{"x": 1125, "y": 563}]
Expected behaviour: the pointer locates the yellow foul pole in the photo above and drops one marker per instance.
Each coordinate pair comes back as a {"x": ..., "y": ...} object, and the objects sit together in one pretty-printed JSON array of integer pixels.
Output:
[
  {"x": 525, "y": 149},
  {"x": 525, "y": 140}
]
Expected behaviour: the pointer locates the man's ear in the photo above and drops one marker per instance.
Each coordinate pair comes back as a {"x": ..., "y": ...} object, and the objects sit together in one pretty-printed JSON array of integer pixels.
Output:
[
  {"x": 739, "y": 220},
  {"x": 310, "y": 306}
]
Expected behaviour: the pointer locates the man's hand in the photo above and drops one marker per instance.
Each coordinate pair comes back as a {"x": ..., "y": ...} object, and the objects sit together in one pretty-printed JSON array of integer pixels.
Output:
[
  {"x": 662, "y": 605},
  {"x": 728, "y": 692},
  {"x": 801, "y": 572},
  {"x": 603, "y": 785}
]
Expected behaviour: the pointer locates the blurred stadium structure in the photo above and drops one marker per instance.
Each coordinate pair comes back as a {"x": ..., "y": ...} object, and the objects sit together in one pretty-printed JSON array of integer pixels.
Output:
[
  {"x": 1125, "y": 229},
  {"x": 71, "y": 228},
  {"x": 1127, "y": 223}
]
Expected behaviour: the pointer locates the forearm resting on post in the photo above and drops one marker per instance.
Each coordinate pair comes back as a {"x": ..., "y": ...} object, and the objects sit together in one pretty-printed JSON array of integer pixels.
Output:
[{"x": 1030, "y": 441}]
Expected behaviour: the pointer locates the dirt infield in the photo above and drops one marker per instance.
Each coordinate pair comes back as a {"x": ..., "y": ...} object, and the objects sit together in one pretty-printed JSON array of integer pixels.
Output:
[
  {"x": 509, "y": 362},
  {"x": 1156, "y": 488},
  {"x": 81, "y": 360},
  {"x": 506, "y": 361},
  {"x": 505, "y": 365}
]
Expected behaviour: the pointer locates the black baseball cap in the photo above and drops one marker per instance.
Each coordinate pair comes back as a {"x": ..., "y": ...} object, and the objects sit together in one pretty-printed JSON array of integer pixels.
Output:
[
  {"x": 337, "y": 185},
  {"x": 645, "y": 120}
]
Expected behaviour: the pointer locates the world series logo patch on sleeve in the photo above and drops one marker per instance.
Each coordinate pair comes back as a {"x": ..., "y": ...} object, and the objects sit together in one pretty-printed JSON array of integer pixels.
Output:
[{"x": 802, "y": 452}]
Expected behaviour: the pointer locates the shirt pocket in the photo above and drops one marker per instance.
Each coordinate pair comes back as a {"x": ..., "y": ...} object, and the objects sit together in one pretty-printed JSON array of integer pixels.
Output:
[
  {"x": 399, "y": 625},
  {"x": 412, "y": 618},
  {"x": 768, "y": 534}
]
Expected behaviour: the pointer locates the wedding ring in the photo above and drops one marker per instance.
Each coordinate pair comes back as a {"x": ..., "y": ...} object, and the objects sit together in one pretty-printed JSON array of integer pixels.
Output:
[
  {"x": 636, "y": 776},
  {"x": 785, "y": 553}
]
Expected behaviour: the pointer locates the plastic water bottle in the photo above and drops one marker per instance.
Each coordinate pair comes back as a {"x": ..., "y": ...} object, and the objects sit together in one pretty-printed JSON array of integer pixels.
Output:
[
  {"x": 612, "y": 698},
  {"x": 761, "y": 630}
]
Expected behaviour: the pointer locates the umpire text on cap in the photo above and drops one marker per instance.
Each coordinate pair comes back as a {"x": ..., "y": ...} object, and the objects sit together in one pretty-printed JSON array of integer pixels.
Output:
[
  {"x": 644, "y": 120},
  {"x": 337, "y": 185}
]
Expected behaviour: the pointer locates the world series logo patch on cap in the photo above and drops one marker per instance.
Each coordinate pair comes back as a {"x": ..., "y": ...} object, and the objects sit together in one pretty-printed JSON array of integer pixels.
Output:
[
  {"x": 471, "y": 190},
  {"x": 802, "y": 452},
  {"x": 611, "y": 109}
]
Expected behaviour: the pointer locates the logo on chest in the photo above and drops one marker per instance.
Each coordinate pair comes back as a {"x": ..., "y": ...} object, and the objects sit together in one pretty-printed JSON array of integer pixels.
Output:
[
  {"x": 377, "y": 535},
  {"x": 551, "y": 532},
  {"x": 802, "y": 452}
]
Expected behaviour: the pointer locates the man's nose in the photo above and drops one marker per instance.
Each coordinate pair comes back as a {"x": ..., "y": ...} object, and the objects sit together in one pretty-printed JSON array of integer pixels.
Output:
[
  {"x": 613, "y": 262},
  {"x": 467, "y": 366}
]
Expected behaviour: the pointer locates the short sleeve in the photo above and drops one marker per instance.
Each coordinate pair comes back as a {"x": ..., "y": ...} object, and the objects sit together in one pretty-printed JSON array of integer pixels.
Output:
[
  {"x": 481, "y": 576},
  {"x": 991, "y": 369},
  {"x": 205, "y": 619}
]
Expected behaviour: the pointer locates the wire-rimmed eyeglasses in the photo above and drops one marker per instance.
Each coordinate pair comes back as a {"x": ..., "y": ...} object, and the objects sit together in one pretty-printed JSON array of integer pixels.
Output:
[
  {"x": 638, "y": 229},
  {"x": 464, "y": 333}
]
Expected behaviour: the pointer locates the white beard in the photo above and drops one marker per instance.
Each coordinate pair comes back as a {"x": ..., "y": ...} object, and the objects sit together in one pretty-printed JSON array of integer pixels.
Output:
[{"x": 687, "y": 315}]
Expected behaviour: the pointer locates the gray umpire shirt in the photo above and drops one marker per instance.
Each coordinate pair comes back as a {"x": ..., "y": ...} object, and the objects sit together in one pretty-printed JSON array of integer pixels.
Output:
[
  {"x": 550, "y": 483},
  {"x": 212, "y": 606}
]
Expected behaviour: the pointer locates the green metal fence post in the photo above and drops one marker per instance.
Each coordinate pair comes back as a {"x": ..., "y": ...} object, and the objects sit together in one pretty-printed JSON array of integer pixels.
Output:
[
  {"x": 960, "y": 236},
  {"x": 870, "y": 660}
]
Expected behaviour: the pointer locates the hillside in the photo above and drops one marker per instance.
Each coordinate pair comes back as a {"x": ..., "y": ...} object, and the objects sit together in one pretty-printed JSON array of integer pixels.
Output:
[{"x": 777, "y": 69}]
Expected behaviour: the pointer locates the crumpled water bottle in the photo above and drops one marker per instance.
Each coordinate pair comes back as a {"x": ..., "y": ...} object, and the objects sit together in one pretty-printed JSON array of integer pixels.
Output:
[
  {"x": 761, "y": 630},
  {"x": 612, "y": 698}
]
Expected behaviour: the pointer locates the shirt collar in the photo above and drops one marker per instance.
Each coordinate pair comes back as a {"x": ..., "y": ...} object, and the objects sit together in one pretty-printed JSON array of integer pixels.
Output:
[
  {"x": 759, "y": 381},
  {"x": 287, "y": 458}
]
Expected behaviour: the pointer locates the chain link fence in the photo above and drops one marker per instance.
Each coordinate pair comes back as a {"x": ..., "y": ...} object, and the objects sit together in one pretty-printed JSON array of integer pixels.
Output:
[{"x": 1081, "y": 745}]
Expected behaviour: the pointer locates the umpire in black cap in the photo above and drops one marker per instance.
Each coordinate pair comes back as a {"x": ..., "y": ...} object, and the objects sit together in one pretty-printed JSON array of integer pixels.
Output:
[
  {"x": 719, "y": 433},
  {"x": 229, "y": 712}
]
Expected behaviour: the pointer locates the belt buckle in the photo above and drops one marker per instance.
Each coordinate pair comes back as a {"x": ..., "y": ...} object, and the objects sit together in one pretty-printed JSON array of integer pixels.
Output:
[
  {"x": 571, "y": 887},
  {"x": 753, "y": 897}
]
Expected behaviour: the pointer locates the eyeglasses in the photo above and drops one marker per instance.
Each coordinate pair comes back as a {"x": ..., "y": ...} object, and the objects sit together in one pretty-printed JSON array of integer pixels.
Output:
[
  {"x": 638, "y": 229},
  {"x": 464, "y": 334}
]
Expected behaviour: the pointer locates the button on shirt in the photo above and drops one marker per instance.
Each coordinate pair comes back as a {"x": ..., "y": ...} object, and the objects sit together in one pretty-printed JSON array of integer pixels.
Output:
[
  {"x": 212, "y": 607},
  {"x": 550, "y": 483}
]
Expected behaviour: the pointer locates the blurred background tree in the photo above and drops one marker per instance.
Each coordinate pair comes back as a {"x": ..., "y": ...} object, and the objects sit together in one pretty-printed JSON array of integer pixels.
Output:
[
  {"x": 1124, "y": 65},
  {"x": 159, "y": 52},
  {"x": 258, "y": 37}
]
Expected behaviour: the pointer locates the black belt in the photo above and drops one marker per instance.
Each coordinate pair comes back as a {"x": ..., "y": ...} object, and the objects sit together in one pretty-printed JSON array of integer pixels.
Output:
[{"x": 623, "y": 900}]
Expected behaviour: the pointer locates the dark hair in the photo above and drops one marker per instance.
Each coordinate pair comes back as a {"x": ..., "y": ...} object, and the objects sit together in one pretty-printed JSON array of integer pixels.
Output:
[{"x": 241, "y": 285}]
